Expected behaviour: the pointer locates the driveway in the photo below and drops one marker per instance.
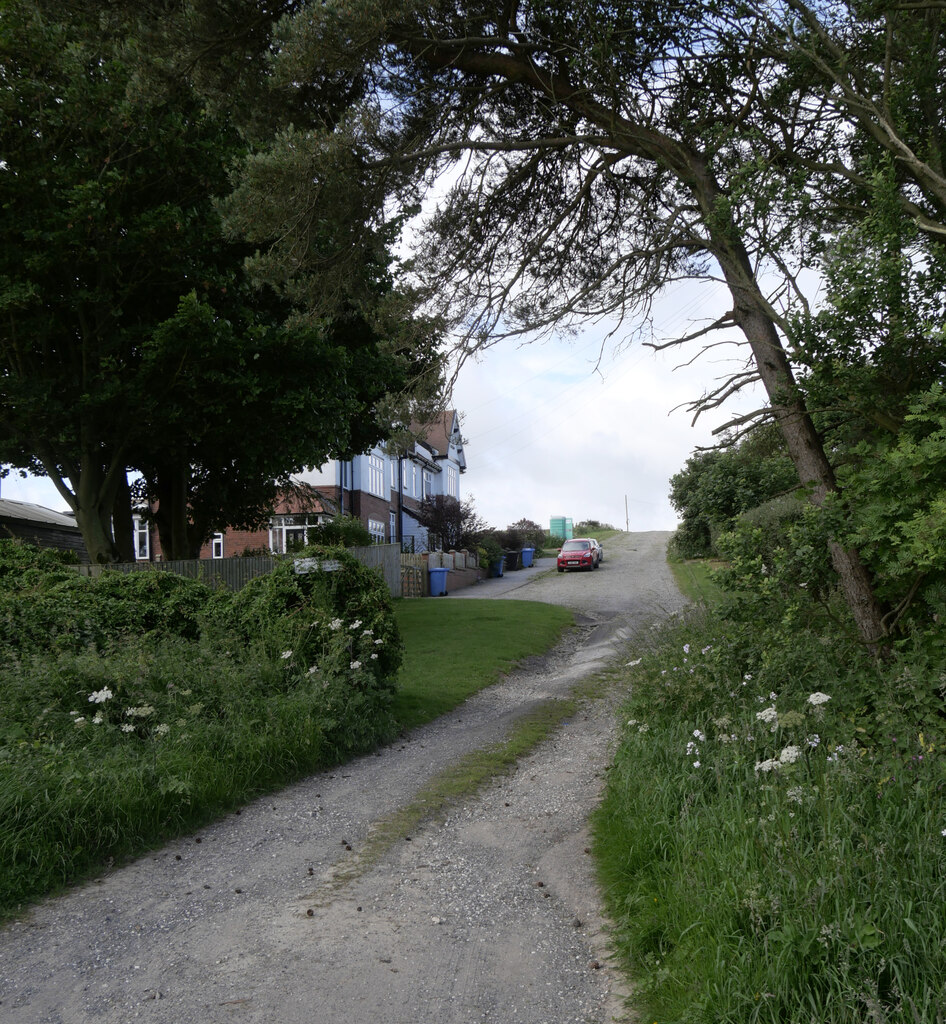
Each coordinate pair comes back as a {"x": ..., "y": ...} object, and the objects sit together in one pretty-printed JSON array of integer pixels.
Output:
[{"x": 336, "y": 901}]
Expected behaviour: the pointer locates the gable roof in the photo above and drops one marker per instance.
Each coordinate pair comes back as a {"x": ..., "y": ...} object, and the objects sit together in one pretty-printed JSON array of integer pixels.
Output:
[
  {"x": 440, "y": 433},
  {"x": 28, "y": 512}
]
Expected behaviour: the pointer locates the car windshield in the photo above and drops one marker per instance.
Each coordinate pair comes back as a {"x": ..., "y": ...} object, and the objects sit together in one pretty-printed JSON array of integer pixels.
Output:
[{"x": 576, "y": 545}]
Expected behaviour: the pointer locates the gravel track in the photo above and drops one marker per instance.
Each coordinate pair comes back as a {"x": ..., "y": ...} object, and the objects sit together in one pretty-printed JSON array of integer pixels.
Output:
[{"x": 277, "y": 915}]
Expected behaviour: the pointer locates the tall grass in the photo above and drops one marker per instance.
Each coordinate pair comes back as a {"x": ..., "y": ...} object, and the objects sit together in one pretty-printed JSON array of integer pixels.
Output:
[{"x": 772, "y": 843}]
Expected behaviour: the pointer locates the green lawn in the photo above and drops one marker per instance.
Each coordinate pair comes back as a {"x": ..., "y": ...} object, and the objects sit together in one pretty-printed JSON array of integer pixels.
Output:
[{"x": 452, "y": 649}]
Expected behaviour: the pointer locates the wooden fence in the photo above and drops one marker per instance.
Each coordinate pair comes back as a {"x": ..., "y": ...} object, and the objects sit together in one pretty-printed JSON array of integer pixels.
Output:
[
  {"x": 404, "y": 574},
  {"x": 234, "y": 573}
]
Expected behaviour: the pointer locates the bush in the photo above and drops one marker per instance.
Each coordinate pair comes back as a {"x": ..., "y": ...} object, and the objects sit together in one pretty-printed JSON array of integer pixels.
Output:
[
  {"x": 157, "y": 703},
  {"x": 344, "y": 615},
  {"x": 342, "y": 531},
  {"x": 47, "y": 606},
  {"x": 490, "y": 550}
]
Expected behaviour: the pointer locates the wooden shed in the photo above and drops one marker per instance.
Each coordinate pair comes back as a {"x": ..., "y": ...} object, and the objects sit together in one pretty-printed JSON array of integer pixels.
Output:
[{"x": 41, "y": 526}]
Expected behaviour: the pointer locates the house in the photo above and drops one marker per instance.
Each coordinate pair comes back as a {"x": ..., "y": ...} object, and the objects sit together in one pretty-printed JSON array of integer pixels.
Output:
[
  {"x": 41, "y": 526},
  {"x": 382, "y": 489}
]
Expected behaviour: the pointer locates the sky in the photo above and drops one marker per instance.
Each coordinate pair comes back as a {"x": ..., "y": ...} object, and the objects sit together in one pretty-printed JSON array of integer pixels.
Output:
[{"x": 551, "y": 431}]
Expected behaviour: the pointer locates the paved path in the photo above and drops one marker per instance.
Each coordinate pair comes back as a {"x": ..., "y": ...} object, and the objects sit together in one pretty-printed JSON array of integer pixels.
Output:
[{"x": 294, "y": 912}]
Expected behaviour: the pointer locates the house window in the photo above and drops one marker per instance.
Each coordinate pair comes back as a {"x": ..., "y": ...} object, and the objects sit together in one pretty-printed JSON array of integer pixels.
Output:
[
  {"x": 142, "y": 540},
  {"x": 453, "y": 482},
  {"x": 376, "y": 530},
  {"x": 428, "y": 483},
  {"x": 414, "y": 489},
  {"x": 376, "y": 475},
  {"x": 216, "y": 546},
  {"x": 289, "y": 533},
  {"x": 392, "y": 535}
]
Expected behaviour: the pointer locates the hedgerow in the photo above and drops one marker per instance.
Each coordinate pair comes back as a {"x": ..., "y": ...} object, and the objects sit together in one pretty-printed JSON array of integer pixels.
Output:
[{"x": 156, "y": 703}]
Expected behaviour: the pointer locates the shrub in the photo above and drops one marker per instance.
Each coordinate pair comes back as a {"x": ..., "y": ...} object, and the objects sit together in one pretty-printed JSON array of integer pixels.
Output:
[
  {"x": 343, "y": 614},
  {"x": 156, "y": 703},
  {"x": 47, "y": 606}
]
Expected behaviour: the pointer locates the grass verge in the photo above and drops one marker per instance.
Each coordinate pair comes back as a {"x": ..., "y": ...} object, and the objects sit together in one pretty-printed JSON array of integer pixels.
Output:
[
  {"x": 694, "y": 578},
  {"x": 452, "y": 649},
  {"x": 772, "y": 849},
  {"x": 84, "y": 784}
]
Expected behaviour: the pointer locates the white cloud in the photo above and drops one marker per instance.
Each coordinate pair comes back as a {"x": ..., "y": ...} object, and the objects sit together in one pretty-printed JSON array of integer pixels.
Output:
[{"x": 551, "y": 431}]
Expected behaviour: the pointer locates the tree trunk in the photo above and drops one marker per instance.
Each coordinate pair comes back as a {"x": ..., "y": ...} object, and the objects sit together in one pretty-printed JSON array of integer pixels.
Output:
[
  {"x": 804, "y": 444},
  {"x": 122, "y": 521}
]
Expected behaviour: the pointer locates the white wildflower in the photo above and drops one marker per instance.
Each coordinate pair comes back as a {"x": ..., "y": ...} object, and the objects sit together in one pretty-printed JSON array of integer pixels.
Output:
[
  {"x": 312, "y": 670},
  {"x": 143, "y": 712},
  {"x": 355, "y": 624},
  {"x": 790, "y": 755},
  {"x": 355, "y": 665},
  {"x": 98, "y": 719},
  {"x": 374, "y": 657},
  {"x": 378, "y": 642},
  {"x": 643, "y": 727},
  {"x": 767, "y": 766},
  {"x": 768, "y": 715},
  {"x": 79, "y": 722},
  {"x": 367, "y": 632},
  {"x": 286, "y": 655},
  {"x": 631, "y": 664},
  {"x": 100, "y": 696},
  {"x": 335, "y": 624},
  {"x": 128, "y": 727},
  {"x": 818, "y": 698},
  {"x": 696, "y": 764},
  {"x": 813, "y": 740},
  {"x": 699, "y": 735},
  {"x": 686, "y": 648},
  {"x": 163, "y": 729}
]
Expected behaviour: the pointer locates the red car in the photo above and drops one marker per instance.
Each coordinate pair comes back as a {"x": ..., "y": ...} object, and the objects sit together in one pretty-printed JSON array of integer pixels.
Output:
[{"x": 580, "y": 553}]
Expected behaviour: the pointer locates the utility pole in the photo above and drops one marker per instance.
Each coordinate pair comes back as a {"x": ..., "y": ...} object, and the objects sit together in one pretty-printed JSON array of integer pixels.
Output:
[{"x": 627, "y": 518}]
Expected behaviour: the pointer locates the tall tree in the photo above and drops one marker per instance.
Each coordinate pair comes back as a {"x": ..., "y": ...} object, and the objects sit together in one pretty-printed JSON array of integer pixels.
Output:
[
  {"x": 131, "y": 335},
  {"x": 607, "y": 154}
]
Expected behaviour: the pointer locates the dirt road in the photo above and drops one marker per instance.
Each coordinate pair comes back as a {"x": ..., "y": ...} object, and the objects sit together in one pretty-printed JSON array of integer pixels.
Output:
[{"x": 328, "y": 902}]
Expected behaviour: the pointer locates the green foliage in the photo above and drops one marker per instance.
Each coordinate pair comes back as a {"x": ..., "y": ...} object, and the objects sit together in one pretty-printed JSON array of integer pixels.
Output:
[
  {"x": 531, "y": 534},
  {"x": 136, "y": 706},
  {"x": 341, "y": 531},
  {"x": 490, "y": 549},
  {"x": 339, "y": 610},
  {"x": 169, "y": 360},
  {"x": 47, "y": 606},
  {"x": 717, "y": 486},
  {"x": 770, "y": 841},
  {"x": 894, "y": 510}
]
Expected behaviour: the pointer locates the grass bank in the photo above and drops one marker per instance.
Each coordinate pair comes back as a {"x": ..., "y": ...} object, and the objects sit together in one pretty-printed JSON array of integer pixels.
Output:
[
  {"x": 107, "y": 753},
  {"x": 772, "y": 841}
]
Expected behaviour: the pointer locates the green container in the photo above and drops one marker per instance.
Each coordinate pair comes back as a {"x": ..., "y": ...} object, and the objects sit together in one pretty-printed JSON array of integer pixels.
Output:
[{"x": 561, "y": 527}]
